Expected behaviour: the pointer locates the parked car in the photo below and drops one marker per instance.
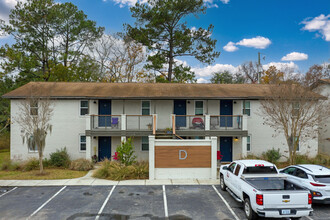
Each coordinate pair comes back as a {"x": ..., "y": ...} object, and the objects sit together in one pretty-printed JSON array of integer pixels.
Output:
[
  {"x": 316, "y": 178},
  {"x": 263, "y": 191}
]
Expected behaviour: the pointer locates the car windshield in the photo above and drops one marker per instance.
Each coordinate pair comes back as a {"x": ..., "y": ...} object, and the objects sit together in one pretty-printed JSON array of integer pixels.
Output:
[
  {"x": 322, "y": 178},
  {"x": 259, "y": 170}
]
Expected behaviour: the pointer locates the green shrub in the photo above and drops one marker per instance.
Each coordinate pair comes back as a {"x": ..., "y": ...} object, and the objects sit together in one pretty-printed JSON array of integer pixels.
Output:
[
  {"x": 126, "y": 153},
  {"x": 320, "y": 159},
  {"x": 31, "y": 164},
  {"x": 104, "y": 171},
  {"x": 46, "y": 163},
  {"x": 272, "y": 155},
  {"x": 60, "y": 158},
  {"x": 117, "y": 171},
  {"x": 9, "y": 165},
  {"x": 81, "y": 165}
]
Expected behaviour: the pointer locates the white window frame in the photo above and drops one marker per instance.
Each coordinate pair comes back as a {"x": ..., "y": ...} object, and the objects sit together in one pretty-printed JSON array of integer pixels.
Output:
[
  {"x": 145, "y": 107},
  {"x": 144, "y": 143},
  {"x": 80, "y": 107},
  {"x": 248, "y": 142},
  {"x": 198, "y": 108},
  {"x": 32, "y": 151},
  {"x": 243, "y": 107},
  {"x": 34, "y": 107},
  {"x": 80, "y": 135}
]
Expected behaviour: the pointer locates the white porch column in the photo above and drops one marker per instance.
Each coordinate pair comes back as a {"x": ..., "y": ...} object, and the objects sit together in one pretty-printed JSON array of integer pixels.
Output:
[
  {"x": 123, "y": 126},
  {"x": 89, "y": 150},
  {"x": 244, "y": 142},
  {"x": 88, "y": 122},
  {"x": 207, "y": 125},
  {"x": 214, "y": 158},
  {"x": 244, "y": 123},
  {"x": 151, "y": 157}
]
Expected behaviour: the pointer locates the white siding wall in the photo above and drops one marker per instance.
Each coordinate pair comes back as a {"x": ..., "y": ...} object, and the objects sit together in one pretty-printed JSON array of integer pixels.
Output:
[
  {"x": 263, "y": 137},
  {"x": 67, "y": 125},
  {"x": 324, "y": 141}
]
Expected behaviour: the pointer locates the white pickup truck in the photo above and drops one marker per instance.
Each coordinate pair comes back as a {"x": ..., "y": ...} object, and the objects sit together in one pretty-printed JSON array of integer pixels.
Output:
[{"x": 264, "y": 191}]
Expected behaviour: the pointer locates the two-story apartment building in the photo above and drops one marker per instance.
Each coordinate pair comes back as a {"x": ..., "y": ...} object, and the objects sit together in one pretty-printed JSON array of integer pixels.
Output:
[
  {"x": 93, "y": 118},
  {"x": 323, "y": 87}
]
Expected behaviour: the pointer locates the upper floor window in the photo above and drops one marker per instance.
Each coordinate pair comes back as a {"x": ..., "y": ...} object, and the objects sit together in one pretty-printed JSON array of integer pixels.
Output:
[
  {"x": 82, "y": 143},
  {"x": 246, "y": 108},
  {"x": 84, "y": 107},
  {"x": 248, "y": 143},
  {"x": 296, "y": 139},
  {"x": 145, "y": 107},
  {"x": 34, "y": 107},
  {"x": 295, "y": 108},
  {"x": 145, "y": 143},
  {"x": 199, "y": 108}
]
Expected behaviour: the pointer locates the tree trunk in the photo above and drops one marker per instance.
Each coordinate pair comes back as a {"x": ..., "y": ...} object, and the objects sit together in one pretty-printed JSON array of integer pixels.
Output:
[
  {"x": 170, "y": 63},
  {"x": 41, "y": 164}
]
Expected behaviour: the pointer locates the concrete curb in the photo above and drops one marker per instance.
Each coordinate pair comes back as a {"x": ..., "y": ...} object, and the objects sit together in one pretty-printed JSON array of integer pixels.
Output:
[
  {"x": 103, "y": 182},
  {"x": 88, "y": 180}
]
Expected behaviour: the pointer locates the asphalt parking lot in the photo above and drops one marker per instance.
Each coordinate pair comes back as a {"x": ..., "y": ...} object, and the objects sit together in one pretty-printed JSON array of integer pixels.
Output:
[{"x": 174, "y": 202}]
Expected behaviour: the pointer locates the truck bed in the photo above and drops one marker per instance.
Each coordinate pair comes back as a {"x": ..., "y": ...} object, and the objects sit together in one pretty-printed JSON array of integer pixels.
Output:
[{"x": 270, "y": 182}]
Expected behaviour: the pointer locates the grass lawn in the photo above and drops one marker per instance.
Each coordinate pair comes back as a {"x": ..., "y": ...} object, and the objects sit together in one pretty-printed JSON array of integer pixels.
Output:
[
  {"x": 51, "y": 174},
  {"x": 3, "y": 154}
]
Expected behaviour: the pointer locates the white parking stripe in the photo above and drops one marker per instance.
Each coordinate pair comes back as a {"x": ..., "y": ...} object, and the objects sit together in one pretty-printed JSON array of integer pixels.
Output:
[
  {"x": 8, "y": 192},
  {"x": 165, "y": 202},
  {"x": 36, "y": 211},
  {"x": 226, "y": 203},
  {"x": 309, "y": 218},
  {"x": 104, "y": 203}
]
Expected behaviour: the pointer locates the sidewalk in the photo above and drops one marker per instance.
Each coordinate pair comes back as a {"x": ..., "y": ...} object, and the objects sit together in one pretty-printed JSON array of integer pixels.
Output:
[{"x": 88, "y": 180}]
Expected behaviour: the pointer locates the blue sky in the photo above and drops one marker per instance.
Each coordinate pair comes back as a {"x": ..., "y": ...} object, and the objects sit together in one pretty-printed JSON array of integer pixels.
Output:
[{"x": 294, "y": 33}]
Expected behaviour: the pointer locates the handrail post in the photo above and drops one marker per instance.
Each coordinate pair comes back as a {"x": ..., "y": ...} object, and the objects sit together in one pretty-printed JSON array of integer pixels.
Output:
[
  {"x": 154, "y": 124},
  {"x": 173, "y": 123},
  {"x": 123, "y": 122}
]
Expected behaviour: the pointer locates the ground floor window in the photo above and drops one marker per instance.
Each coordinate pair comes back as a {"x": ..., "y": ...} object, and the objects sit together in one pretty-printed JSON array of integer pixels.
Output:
[
  {"x": 248, "y": 143},
  {"x": 297, "y": 139},
  {"x": 145, "y": 143},
  {"x": 82, "y": 143}
]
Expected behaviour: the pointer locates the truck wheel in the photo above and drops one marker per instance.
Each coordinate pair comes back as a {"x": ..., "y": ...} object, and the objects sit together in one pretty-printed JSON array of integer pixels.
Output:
[
  {"x": 250, "y": 214},
  {"x": 222, "y": 183}
]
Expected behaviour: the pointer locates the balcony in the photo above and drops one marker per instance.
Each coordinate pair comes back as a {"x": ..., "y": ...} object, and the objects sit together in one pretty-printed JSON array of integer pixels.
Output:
[{"x": 182, "y": 125}]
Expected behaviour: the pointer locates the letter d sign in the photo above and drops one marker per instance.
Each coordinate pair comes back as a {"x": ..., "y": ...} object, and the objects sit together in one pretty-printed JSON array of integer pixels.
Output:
[{"x": 185, "y": 154}]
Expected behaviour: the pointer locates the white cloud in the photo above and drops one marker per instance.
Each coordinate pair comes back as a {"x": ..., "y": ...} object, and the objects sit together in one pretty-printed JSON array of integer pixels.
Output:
[
  {"x": 282, "y": 66},
  {"x": 209, "y": 70},
  {"x": 202, "y": 80},
  {"x": 256, "y": 42},
  {"x": 295, "y": 56},
  {"x": 6, "y": 6},
  {"x": 320, "y": 24},
  {"x": 230, "y": 47},
  {"x": 130, "y": 3}
]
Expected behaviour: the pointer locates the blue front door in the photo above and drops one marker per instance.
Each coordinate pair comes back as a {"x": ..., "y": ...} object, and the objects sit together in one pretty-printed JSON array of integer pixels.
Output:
[
  {"x": 104, "y": 148},
  {"x": 180, "y": 108},
  {"x": 104, "y": 109},
  {"x": 226, "y": 146},
  {"x": 226, "y": 108}
]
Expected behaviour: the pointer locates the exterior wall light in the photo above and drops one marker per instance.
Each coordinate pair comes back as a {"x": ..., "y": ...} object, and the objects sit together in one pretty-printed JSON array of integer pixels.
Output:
[{"x": 235, "y": 138}]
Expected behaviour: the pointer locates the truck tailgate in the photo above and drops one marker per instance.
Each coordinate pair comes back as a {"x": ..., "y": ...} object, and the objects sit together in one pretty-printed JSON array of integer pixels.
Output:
[{"x": 285, "y": 199}]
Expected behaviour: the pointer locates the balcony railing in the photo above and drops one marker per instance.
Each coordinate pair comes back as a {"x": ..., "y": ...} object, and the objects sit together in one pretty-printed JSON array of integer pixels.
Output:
[
  {"x": 225, "y": 122},
  {"x": 106, "y": 122},
  {"x": 188, "y": 122},
  {"x": 139, "y": 122},
  {"x": 177, "y": 122}
]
